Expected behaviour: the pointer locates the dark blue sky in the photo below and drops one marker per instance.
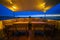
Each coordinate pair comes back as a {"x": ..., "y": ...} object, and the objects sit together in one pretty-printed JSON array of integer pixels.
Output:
[
  {"x": 54, "y": 10},
  {"x": 5, "y": 11}
]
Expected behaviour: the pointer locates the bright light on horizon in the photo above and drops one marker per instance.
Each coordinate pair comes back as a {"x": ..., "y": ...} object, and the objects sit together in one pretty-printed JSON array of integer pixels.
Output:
[{"x": 54, "y": 15}]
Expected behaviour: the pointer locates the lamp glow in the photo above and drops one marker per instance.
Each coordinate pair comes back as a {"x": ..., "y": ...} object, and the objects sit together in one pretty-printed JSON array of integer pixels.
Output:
[
  {"x": 10, "y": 1},
  {"x": 41, "y": 6},
  {"x": 14, "y": 7},
  {"x": 47, "y": 8}
]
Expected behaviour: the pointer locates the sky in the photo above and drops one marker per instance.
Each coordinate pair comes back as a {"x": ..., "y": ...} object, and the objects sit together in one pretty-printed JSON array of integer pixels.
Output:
[
  {"x": 5, "y": 11},
  {"x": 54, "y": 10}
]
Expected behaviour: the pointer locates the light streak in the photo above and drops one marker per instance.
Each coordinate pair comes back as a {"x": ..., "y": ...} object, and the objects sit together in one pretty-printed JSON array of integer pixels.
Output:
[{"x": 49, "y": 15}]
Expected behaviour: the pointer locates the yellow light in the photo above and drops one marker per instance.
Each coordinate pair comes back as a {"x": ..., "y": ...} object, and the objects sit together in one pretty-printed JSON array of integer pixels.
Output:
[
  {"x": 14, "y": 7},
  {"x": 41, "y": 6},
  {"x": 10, "y": 1},
  {"x": 11, "y": 8},
  {"x": 1, "y": 25},
  {"x": 47, "y": 8}
]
